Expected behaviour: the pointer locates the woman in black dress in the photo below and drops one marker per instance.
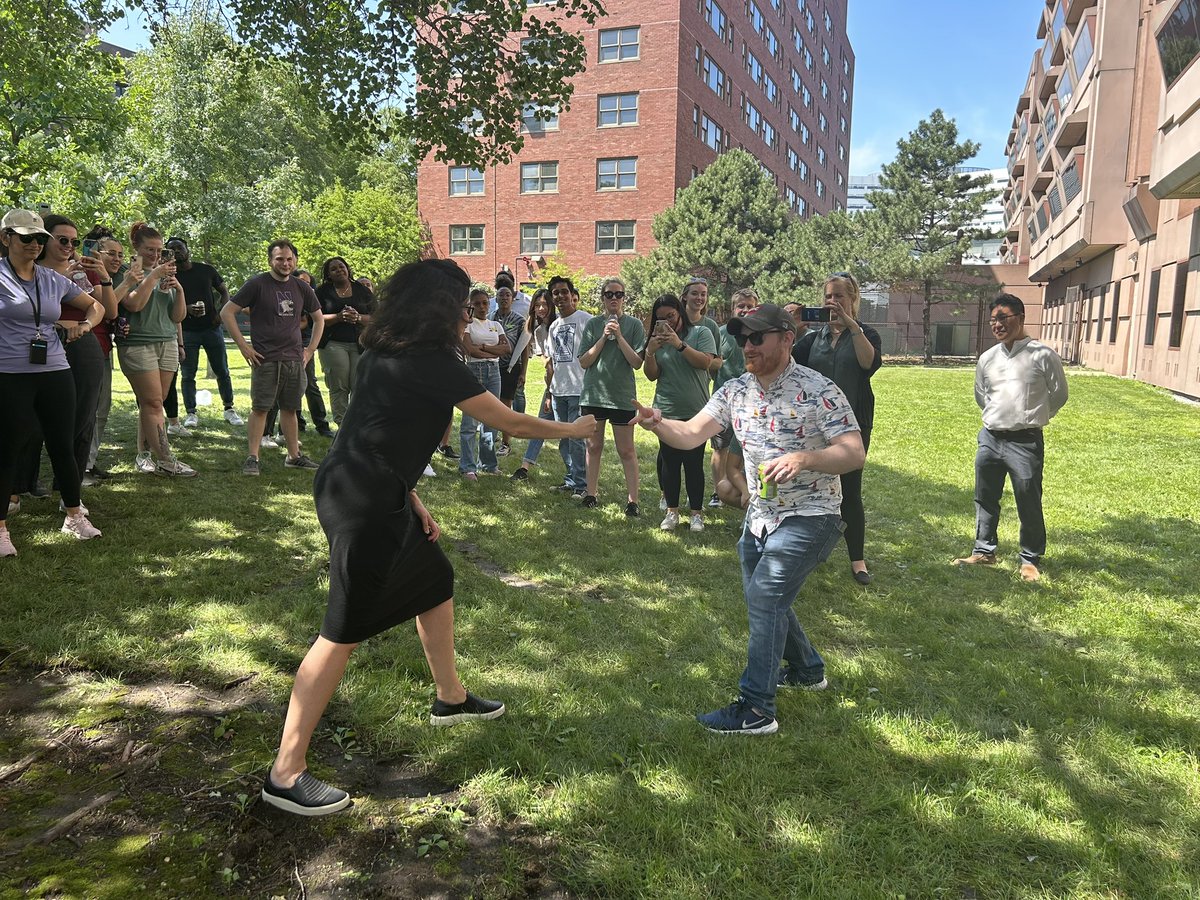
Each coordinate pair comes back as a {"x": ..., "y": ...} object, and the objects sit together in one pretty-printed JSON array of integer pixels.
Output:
[{"x": 385, "y": 566}]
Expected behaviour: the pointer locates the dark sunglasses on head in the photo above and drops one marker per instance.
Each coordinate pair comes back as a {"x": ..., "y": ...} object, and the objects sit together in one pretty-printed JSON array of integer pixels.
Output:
[
  {"x": 614, "y": 295},
  {"x": 755, "y": 337},
  {"x": 29, "y": 238},
  {"x": 66, "y": 241}
]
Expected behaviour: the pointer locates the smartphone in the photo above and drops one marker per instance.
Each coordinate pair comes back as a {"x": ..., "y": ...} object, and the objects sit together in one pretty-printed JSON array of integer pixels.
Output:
[
  {"x": 815, "y": 314},
  {"x": 662, "y": 327},
  {"x": 89, "y": 248},
  {"x": 167, "y": 256}
]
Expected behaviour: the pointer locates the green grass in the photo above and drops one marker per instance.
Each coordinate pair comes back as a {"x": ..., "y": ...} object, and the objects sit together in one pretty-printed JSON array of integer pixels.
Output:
[{"x": 982, "y": 736}]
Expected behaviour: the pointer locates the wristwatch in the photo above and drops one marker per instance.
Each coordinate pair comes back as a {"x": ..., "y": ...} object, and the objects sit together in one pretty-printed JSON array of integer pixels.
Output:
[
  {"x": 682, "y": 346},
  {"x": 105, "y": 284}
]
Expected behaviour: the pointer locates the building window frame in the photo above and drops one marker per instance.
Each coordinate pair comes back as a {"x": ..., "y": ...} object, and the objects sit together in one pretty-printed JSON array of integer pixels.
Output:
[
  {"x": 536, "y": 178},
  {"x": 621, "y": 170},
  {"x": 619, "y": 44},
  {"x": 465, "y": 181},
  {"x": 624, "y": 110},
  {"x": 539, "y": 238},
  {"x": 467, "y": 240},
  {"x": 616, "y": 236}
]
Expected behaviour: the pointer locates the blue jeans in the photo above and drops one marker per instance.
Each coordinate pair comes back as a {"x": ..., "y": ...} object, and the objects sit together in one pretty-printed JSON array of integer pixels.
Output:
[
  {"x": 213, "y": 342},
  {"x": 545, "y": 411},
  {"x": 572, "y": 450},
  {"x": 488, "y": 374},
  {"x": 773, "y": 570}
]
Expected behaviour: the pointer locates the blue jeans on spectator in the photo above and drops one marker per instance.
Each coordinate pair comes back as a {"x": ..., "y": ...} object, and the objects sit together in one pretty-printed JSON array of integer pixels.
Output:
[
  {"x": 572, "y": 450},
  {"x": 487, "y": 372},
  {"x": 213, "y": 342},
  {"x": 545, "y": 411},
  {"x": 773, "y": 570}
]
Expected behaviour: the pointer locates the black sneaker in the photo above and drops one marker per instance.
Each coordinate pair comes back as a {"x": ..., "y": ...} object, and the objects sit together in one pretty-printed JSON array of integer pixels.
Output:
[
  {"x": 739, "y": 717},
  {"x": 324, "y": 430},
  {"x": 522, "y": 474},
  {"x": 714, "y": 501},
  {"x": 447, "y": 451},
  {"x": 788, "y": 680},
  {"x": 589, "y": 501},
  {"x": 631, "y": 510},
  {"x": 469, "y": 710},
  {"x": 309, "y": 796},
  {"x": 300, "y": 462}
]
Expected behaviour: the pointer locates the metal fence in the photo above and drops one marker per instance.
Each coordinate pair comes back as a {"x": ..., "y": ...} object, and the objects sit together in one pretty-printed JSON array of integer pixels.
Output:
[{"x": 950, "y": 339}]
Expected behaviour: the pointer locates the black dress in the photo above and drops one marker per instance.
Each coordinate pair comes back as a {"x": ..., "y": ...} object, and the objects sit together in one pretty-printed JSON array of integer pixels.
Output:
[{"x": 383, "y": 569}]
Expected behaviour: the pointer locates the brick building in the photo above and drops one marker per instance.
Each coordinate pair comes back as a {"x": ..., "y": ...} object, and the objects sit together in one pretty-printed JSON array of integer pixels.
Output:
[
  {"x": 666, "y": 89},
  {"x": 1104, "y": 155}
]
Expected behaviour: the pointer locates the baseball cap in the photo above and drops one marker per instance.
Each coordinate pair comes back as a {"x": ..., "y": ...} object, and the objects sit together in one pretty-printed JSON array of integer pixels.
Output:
[
  {"x": 767, "y": 317},
  {"x": 22, "y": 221}
]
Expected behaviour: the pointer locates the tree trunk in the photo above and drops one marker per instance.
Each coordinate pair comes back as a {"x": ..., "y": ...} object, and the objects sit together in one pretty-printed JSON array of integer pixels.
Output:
[{"x": 927, "y": 332}]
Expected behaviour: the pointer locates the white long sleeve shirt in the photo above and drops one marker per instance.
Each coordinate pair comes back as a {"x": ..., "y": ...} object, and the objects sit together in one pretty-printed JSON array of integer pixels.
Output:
[{"x": 1019, "y": 388}]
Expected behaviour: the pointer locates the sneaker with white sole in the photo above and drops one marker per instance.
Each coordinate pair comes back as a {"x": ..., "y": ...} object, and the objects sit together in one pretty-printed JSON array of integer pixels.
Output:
[
  {"x": 173, "y": 468},
  {"x": 251, "y": 466},
  {"x": 191, "y": 420},
  {"x": 300, "y": 462},
  {"x": 503, "y": 450},
  {"x": 309, "y": 796},
  {"x": 6, "y": 544},
  {"x": 178, "y": 431},
  {"x": 739, "y": 717},
  {"x": 429, "y": 472},
  {"x": 696, "y": 522},
  {"x": 14, "y": 507},
  {"x": 268, "y": 443},
  {"x": 471, "y": 709},
  {"x": 80, "y": 527},
  {"x": 144, "y": 463},
  {"x": 662, "y": 503},
  {"x": 670, "y": 522},
  {"x": 62, "y": 508},
  {"x": 714, "y": 501},
  {"x": 789, "y": 679},
  {"x": 232, "y": 417}
]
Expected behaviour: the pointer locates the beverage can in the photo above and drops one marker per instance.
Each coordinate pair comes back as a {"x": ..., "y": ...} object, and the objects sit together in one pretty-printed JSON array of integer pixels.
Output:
[
  {"x": 611, "y": 337},
  {"x": 767, "y": 490}
]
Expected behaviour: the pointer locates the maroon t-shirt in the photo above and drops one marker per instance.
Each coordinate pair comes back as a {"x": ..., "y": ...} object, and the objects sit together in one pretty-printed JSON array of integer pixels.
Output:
[{"x": 275, "y": 309}]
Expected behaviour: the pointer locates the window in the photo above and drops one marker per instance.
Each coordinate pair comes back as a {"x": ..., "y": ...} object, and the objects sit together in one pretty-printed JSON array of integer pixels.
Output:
[
  {"x": 802, "y": 209},
  {"x": 615, "y": 237},
  {"x": 806, "y": 96},
  {"x": 845, "y": 64},
  {"x": 751, "y": 116},
  {"x": 820, "y": 187},
  {"x": 1065, "y": 90},
  {"x": 794, "y": 120},
  {"x": 803, "y": 171},
  {"x": 1152, "y": 307},
  {"x": 712, "y": 134},
  {"x": 536, "y": 119},
  {"x": 808, "y": 59},
  {"x": 465, "y": 182},
  {"x": 756, "y": 17},
  {"x": 1082, "y": 54},
  {"x": 539, "y": 238},
  {"x": 845, "y": 95},
  {"x": 828, "y": 22},
  {"x": 1100, "y": 315},
  {"x": 805, "y": 134},
  {"x": 793, "y": 161},
  {"x": 841, "y": 148},
  {"x": 1179, "y": 40},
  {"x": 715, "y": 78},
  {"x": 771, "y": 175},
  {"x": 797, "y": 39},
  {"x": 1175, "y": 341},
  {"x": 771, "y": 89},
  {"x": 1116, "y": 310},
  {"x": 617, "y": 44},
  {"x": 617, "y": 109},
  {"x": 770, "y": 135},
  {"x": 843, "y": 124},
  {"x": 792, "y": 198},
  {"x": 796, "y": 80},
  {"x": 466, "y": 239},
  {"x": 841, "y": 179},
  {"x": 772, "y": 43},
  {"x": 810, "y": 22},
  {"x": 824, "y": 89},
  {"x": 825, "y": 57},
  {"x": 718, "y": 21},
  {"x": 616, "y": 174},
  {"x": 822, "y": 161},
  {"x": 753, "y": 66},
  {"x": 539, "y": 178},
  {"x": 823, "y": 123}
]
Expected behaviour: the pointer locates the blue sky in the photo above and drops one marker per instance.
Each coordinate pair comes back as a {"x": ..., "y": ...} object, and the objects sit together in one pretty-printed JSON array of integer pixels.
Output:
[{"x": 968, "y": 57}]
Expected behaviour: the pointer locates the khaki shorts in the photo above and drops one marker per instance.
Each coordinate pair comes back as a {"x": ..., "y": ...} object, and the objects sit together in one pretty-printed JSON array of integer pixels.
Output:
[
  {"x": 137, "y": 359},
  {"x": 277, "y": 382}
]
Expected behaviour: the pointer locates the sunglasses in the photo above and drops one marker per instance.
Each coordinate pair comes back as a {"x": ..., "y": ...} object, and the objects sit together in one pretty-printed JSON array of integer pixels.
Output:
[
  {"x": 614, "y": 295},
  {"x": 66, "y": 241},
  {"x": 755, "y": 337},
  {"x": 29, "y": 238}
]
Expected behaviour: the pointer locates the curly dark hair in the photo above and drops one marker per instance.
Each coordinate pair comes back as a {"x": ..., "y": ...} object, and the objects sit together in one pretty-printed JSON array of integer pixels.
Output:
[{"x": 419, "y": 306}]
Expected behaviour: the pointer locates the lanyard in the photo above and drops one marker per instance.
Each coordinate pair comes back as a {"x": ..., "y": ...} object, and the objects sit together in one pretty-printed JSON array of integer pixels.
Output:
[{"x": 37, "y": 290}]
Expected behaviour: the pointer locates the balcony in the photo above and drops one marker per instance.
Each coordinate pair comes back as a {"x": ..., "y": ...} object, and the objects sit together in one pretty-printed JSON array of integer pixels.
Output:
[
  {"x": 1074, "y": 10},
  {"x": 1175, "y": 170},
  {"x": 1073, "y": 131},
  {"x": 1049, "y": 82}
]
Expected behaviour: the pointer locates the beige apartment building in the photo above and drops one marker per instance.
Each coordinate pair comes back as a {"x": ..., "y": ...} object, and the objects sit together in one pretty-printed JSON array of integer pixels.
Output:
[{"x": 1104, "y": 157}]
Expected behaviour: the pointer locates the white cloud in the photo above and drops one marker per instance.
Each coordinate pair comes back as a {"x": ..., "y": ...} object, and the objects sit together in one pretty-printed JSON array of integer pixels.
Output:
[{"x": 869, "y": 154}]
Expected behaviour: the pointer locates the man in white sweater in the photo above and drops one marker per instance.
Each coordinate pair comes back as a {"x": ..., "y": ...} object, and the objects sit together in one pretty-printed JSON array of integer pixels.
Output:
[{"x": 1019, "y": 385}]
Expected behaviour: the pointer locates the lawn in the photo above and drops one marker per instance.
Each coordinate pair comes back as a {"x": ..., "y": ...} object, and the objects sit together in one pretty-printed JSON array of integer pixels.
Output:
[{"x": 982, "y": 736}]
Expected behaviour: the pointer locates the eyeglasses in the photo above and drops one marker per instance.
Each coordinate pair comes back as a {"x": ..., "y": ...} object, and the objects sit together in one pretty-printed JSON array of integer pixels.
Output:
[
  {"x": 1001, "y": 319},
  {"x": 614, "y": 295},
  {"x": 755, "y": 337},
  {"x": 561, "y": 292},
  {"x": 66, "y": 241},
  {"x": 28, "y": 238}
]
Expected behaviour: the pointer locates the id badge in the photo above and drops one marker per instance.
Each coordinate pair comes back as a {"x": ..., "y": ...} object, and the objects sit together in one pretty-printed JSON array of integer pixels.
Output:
[{"x": 37, "y": 351}]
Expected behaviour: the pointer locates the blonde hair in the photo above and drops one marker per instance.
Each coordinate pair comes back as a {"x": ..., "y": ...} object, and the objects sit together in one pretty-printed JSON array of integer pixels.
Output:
[
  {"x": 851, "y": 284},
  {"x": 613, "y": 280},
  {"x": 744, "y": 292}
]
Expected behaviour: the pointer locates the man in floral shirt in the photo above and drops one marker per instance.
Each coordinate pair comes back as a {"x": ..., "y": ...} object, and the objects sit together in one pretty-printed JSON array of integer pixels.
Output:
[{"x": 797, "y": 426}]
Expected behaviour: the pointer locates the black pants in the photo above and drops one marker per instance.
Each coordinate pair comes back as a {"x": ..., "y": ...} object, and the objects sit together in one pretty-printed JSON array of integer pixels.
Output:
[
  {"x": 87, "y": 368},
  {"x": 27, "y": 401},
  {"x": 853, "y": 513},
  {"x": 670, "y": 460},
  {"x": 171, "y": 400},
  {"x": 1019, "y": 455}
]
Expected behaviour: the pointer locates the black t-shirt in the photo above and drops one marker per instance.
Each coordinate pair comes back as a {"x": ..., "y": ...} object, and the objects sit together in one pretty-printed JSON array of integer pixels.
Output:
[
  {"x": 360, "y": 298},
  {"x": 401, "y": 407},
  {"x": 840, "y": 365},
  {"x": 201, "y": 282}
]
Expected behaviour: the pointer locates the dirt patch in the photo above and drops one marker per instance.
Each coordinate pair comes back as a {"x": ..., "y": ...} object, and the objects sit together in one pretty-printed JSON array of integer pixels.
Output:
[{"x": 109, "y": 789}]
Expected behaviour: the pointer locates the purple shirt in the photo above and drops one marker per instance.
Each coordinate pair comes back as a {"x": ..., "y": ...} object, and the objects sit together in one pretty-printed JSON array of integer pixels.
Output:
[
  {"x": 16, "y": 318},
  {"x": 275, "y": 308}
]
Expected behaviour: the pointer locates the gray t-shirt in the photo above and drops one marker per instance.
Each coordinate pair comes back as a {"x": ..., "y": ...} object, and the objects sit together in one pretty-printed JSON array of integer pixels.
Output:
[
  {"x": 275, "y": 310},
  {"x": 17, "y": 300}
]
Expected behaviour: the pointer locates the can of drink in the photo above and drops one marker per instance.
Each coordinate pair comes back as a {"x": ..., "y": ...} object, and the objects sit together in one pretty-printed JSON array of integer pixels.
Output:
[
  {"x": 611, "y": 337},
  {"x": 767, "y": 490}
]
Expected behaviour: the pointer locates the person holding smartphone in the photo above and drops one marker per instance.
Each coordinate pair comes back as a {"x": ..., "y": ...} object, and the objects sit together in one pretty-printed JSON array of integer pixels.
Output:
[
  {"x": 37, "y": 388},
  {"x": 848, "y": 353}
]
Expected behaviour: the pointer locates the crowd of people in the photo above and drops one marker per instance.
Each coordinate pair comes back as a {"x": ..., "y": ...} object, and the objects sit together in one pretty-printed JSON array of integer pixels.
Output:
[{"x": 788, "y": 409}]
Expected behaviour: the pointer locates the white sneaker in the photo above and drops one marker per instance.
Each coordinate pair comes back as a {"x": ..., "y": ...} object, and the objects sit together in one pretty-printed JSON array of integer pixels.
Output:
[
  {"x": 178, "y": 431},
  {"x": 173, "y": 467},
  {"x": 191, "y": 420},
  {"x": 671, "y": 522},
  {"x": 696, "y": 523},
  {"x": 80, "y": 527},
  {"x": 62, "y": 508},
  {"x": 14, "y": 507},
  {"x": 144, "y": 463},
  {"x": 232, "y": 417},
  {"x": 268, "y": 443},
  {"x": 6, "y": 544},
  {"x": 662, "y": 503},
  {"x": 429, "y": 471}
]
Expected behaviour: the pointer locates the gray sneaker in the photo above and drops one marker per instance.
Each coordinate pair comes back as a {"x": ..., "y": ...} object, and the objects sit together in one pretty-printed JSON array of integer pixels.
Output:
[
  {"x": 300, "y": 462},
  {"x": 173, "y": 468},
  {"x": 250, "y": 466}
]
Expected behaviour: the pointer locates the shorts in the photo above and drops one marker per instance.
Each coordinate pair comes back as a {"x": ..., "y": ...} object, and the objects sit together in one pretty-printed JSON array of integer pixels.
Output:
[
  {"x": 277, "y": 382},
  {"x": 727, "y": 440},
  {"x": 138, "y": 359},
  {"x": 608, "y": 414},
  {"x": 509, "y": 381}
]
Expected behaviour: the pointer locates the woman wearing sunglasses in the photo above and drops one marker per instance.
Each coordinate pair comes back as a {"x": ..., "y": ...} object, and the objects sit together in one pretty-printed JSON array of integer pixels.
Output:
[
  {"x": 848, "y": 353},
  {"x": 37, "y": 389},
  {"x": 677, "y": 357}
]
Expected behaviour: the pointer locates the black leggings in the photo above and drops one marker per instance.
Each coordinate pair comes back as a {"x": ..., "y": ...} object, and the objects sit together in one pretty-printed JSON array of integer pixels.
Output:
[
  {"x": 28, "y": 400},
  {"x": 853, "y": 513},
  {"x": 670, "y": 460},
  {"x": 87, "y": 367}
]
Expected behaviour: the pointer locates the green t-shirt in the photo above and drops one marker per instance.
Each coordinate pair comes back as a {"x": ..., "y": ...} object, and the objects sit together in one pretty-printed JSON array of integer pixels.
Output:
[
  {"x": 152, "y": 323},
  {"x": 682, "y": 390},
  {"x": 608, "y": 381},
  {"x": 734, "y": 361},
  {"x": 713, "y": 329}
]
